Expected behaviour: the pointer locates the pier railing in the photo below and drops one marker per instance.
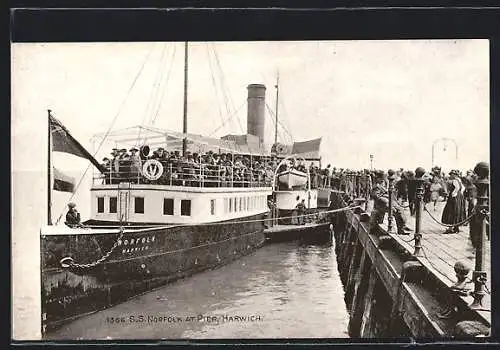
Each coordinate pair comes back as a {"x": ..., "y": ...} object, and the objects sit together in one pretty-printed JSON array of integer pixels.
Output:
[{"x": 358, "y": 186}]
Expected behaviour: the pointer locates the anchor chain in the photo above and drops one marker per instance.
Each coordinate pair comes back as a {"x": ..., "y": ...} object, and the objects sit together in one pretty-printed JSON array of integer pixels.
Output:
[{"x": 68, "y": 262}]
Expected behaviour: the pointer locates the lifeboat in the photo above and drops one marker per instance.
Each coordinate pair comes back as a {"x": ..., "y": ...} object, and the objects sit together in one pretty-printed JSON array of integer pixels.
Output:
[{"x": 292, "y": 178}]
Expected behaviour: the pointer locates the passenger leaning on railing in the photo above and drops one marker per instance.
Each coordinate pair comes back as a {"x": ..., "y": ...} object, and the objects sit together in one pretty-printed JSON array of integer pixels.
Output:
[{"x": 135, "y": 165}]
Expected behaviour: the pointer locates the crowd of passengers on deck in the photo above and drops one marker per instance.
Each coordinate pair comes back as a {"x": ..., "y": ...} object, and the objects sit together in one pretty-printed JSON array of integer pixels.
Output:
[{"x": 208, "y": 169}]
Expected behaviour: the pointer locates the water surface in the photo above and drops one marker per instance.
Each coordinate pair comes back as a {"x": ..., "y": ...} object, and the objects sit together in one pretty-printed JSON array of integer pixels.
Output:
[{"x": 280, "y": 291}]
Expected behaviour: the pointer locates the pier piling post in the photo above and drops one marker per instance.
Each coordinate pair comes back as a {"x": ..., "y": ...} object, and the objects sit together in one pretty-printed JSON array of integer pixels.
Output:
[
  {"x": 419, "y": 173},
  {"x": 358, "y": 185},
  {"x": 367, "y": 189},
  {"x": 390, "y": 190},
  {"x": 479, "y": 276}
]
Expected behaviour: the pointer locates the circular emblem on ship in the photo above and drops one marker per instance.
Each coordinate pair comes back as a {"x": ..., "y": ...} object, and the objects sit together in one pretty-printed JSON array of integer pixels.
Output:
[{"x": 152, "y": 169}]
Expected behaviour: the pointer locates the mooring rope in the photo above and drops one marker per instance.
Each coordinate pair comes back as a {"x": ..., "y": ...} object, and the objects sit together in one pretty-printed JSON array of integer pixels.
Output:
[
  {"x": 68, "y": 262},
  {"x": 349, "y": 207}
]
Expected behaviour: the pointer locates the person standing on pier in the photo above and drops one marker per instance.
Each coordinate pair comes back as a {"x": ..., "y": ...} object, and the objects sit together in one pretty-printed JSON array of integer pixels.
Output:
[
  {"x": 435, "y": 190},
  {"x": 380, "y": 195},
  {"x": 454, "y": 210},
  {"x": 412, "y": 191}
]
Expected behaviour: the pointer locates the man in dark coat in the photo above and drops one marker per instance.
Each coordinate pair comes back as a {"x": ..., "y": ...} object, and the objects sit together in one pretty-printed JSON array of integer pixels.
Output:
[
  {"x": 380, "y": 196},
  {"x": 73, "y": 216},
  {"x": 301, "y": 209}
]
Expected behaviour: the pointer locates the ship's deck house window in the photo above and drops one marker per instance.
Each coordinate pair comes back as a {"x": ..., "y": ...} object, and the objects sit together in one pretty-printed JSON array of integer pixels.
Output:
[
  {"x": 212, "y": 207},
  {"x": 100, "y": 204},
  {"x": 112, "y": 205},
  {"x": 230, "y": 205},
  {"x": 185, "y": 207},
  {"x": 168, "y": 206},
  {"x": 139, "y": 205}
]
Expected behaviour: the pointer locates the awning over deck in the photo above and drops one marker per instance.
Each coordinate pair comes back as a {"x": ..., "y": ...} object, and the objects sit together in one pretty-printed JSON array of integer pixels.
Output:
[{"x": 172, "y": 141}]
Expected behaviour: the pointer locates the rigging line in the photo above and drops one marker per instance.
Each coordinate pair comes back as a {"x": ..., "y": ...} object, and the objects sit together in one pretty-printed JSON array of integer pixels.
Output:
[
  {"x": 214, "y": 84},
  {"x": 161, "y": 79},
  {"x": 154, "y": 92},
  {"x": 283, "y": 106},
  {"x": 280, "y": 132},
  {"x": 272, "y": 115},
  {"x": 225, "y": 98},
  {"x": 109, "y": 130},
  {"x": 286, "y": 131},
  {"x": 223, "y": 82},
  {"x": 165, "y": 85},
  {"x": 146, "y": 111},
  {"x": 227, "y": 120}
]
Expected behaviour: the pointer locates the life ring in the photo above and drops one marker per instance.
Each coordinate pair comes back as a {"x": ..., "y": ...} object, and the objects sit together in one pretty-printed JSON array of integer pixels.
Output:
[
  {"x": 152, "y": 169},
  {"x": 280, "y": 148}
]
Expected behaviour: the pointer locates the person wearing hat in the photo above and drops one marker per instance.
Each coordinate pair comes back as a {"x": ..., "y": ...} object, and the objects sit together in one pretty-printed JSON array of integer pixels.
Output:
[
  {"x": 106, "y": 163},
  {"x": 454, "y": 210},
  {"x": 72, "y": 216},
  {"x": 380, "y": 195},
  {"x": 135, "y": 165},
  {"x": 114, "y": 166}
]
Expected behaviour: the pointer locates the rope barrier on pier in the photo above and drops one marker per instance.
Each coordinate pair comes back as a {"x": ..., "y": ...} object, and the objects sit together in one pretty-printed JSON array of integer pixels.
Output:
[
  {"x": 407, "y": 241},
  {"x": 402, "y": 205},
  {"x": 452, "y": 225}
]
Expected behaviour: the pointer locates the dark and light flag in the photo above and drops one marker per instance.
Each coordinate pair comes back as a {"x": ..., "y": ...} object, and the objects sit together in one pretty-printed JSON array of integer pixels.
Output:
[
  {"x": 307, "y": 149},
  {"x": 63, "y": 182},
  {"x": 62, "y": 141}
]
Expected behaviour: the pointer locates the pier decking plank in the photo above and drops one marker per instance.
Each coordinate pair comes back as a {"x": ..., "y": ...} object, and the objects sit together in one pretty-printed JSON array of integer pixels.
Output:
[{"x": 442, "y": 251}]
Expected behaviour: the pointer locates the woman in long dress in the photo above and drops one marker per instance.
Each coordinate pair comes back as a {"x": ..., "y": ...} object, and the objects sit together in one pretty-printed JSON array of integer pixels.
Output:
[{"x": 454, "y": 210}]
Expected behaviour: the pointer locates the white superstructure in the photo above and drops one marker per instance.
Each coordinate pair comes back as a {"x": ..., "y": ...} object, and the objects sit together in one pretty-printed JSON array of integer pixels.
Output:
[{"x": 141, "y": 203}]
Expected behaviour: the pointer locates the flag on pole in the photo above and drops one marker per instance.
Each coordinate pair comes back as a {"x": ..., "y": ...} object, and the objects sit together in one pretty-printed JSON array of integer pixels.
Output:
[
  {"x": 62, "y": 141},
  {"x": 307, "y": 149},
  {"x": 63, "y": 182}
]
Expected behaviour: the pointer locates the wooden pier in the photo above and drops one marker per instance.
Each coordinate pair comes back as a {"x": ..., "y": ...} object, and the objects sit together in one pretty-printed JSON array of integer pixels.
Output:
[
  {"x": 391, "y": 292},
  {"x": 442, "y": 251}
]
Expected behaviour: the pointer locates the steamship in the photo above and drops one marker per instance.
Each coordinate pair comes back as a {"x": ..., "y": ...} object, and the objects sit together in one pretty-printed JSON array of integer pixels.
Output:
[{"x": 143, "y": 234}]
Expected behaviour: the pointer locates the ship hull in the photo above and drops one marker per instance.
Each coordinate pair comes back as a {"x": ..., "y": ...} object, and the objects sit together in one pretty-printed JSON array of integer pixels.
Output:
[{"x": 144, "y": 260}]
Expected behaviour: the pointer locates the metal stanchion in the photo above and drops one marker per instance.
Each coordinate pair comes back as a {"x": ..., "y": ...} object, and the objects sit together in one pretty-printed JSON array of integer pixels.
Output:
[
  {"x": 479, "y": 276},
  {"x": 419, "y": 173},
  {"x": 390, "y": 190}
]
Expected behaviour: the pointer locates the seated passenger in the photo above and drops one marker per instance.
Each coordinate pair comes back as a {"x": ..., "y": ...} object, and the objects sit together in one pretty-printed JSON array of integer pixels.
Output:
[{"x": 72, "y": 216}]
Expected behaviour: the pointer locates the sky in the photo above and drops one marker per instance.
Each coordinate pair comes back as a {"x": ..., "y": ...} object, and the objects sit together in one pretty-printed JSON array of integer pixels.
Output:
[{"x": 391, "y": 99}]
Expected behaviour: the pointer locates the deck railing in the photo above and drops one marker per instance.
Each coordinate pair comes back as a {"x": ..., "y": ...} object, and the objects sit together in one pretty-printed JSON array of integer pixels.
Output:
[{"x": 191, "y": 176}]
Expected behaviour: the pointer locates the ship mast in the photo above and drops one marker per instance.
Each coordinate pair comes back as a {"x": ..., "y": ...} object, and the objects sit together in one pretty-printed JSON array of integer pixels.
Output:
[
  {"x": 276, "y": 108},
  {"x": 184, "y": 125}
]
